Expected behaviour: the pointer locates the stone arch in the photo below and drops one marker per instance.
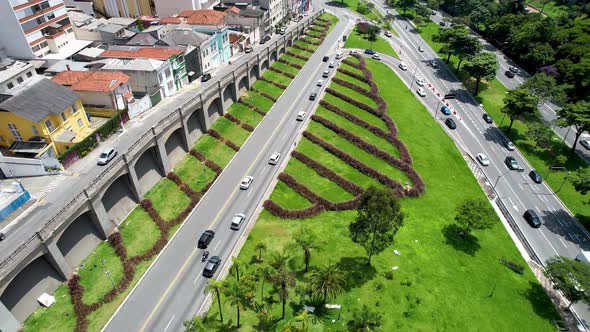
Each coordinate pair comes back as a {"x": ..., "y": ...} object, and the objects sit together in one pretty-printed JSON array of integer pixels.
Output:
[
  {"x": 175, "y": 146},
  {"x": 289, "y": 43},
  {"x": 118, "y": 199},
  {"x": 229, "y": 95},
  {"x": 281, "y": 50},
  {"x": 273, "y": 56},
  {"x": 215, "y": 109},
  {"x": 254, "y": 73},
  {"x": 79, "y": 239},
  {"x": 20, "y": 296},
  {"x": 264, "y": 65},
  {"x": 243, "y": 85},
  {"x": 148, "y": 168},
  {"x": 194, "y": 123}
]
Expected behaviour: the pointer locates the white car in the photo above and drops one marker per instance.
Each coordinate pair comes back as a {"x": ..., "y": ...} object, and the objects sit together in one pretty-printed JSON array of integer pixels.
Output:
[
  {"x": 403, "y": 66},
  {"x": 420, "y": 48},
  {"x": 331, "y": 64},
  {"x": 320, "y": 83},
  {"x": 585, "y": 143},
  {"x": 246, "y": 182},
  {"x": 387, "y": 33},
  {"x": 376, "y": 56},
  {"x": 236, "y": 221},
  {"x": 510, "y": 146},
  {"x": 483, "y": 159},
  {"x": 300, "y": 116},
  {"x": 106, "y": 156},
  {"x": 274, "y": 158},
  {"x": 514, "y": 69},
  {"x": 420, "y": 81},
  {"x": 421, "y": 92}
]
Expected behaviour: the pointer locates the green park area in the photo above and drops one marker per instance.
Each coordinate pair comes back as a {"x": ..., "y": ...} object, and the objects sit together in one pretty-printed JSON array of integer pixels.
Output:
[{"x": 356, "y": 39}]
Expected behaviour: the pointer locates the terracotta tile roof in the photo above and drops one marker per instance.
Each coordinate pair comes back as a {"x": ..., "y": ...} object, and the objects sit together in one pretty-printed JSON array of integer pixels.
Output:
[
  {"x": 158, "y": 53},
  {"x": 203, "y": 16},
  {"x": 233, "y": 38},
  {"x": 91, "y": 80},
  {"x": 171, "y": 20}
]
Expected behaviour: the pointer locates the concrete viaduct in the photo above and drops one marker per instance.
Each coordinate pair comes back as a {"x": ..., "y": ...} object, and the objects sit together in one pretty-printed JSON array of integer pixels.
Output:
[{"x": 49, "y": 256}]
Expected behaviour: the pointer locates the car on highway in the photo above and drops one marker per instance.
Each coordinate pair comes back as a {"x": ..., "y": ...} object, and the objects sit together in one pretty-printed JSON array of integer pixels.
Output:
[
  {"x": 509, "y": 74},
  {"x": 509, "y": 146},
  {"x": 313, "y": 96},
  {"x": 369, "y": 51},
  {"x": 421, "y": 92},
  {"x": 246, "y": 182},
  {"x": 532, "y": 218},
  {"x": 420, "y": 81},
  {"x": 354, "y": 52},
  {"x": 205, "y": 77},
  {"x": 331, "y": 64},
  {"x": 320, "y": 83},
  {"x": 511, "y": 163},
  {"x": 445, "y": 110},
  {"x": 441, "y": 23},
  {"x": 585, "y": 143},
  {"x": 283, "y": 30},
  {"x": 325, "y": 59},
  {"x": 376, "y": 56},
  {"x": 326, "y": 73},
  {"x": 514, "y": 69},
  {"x": 248, "y": 49},
  {"x": 403, "y": 66},
  {"x": 535, "y": 176},
  {"x": 451, "y": 123},
  {"x": 433, "y": 63},
  {"x": 339, "y": 55},
  {"x": 106, "y": 156},
  {"x": 387, "y": 33},
  {"x": 211, "y": 266},
  {"x": 274, "y": 158},
  {"x": 483, "y": 159},
  {"x": 487, "y": 118},
  {"x": 420, "y": 48},
  {"x": 300, "y": 116},
  {"x": 236, "y": 221},
  {"x": 205, "y": 239}
]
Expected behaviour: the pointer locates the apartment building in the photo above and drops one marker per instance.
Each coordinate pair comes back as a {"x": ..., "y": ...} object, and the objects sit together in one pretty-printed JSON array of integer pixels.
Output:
[
  {"x": 14, "y": 73},
  {"x": 125, "y": 8},
  {"x": 98, "y": 89}
]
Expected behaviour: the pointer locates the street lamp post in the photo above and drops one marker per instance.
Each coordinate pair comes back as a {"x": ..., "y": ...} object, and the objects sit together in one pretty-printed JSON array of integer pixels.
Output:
[
  {"x": 436, "y": 109},
  {"x": 498, "y": 179},
  {"x": 203, "y": 167},
  {"x": 108, "y": 273},
  {"x": 414, "y": 77},
  {"x": 558, "y": 151},
  {"x": 564, "y": 180}
]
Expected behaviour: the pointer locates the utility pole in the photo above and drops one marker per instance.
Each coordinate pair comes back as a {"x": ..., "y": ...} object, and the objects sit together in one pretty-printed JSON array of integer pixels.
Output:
[{"x": 108, "y": 273}]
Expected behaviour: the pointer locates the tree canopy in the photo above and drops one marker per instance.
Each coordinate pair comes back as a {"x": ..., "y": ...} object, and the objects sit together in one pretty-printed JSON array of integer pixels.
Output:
[
  {"x": 581, "y": 180},
  {"x": 519, "y": 102},
  {"x": 475, "y": 214},
  {"x": 482, "y": 66},
  {"x": 544, "y": 87},
  {"x": 571, "y": 277},
  {"x": 577, "y": 115},
  {"x": 366, "y": 319}
]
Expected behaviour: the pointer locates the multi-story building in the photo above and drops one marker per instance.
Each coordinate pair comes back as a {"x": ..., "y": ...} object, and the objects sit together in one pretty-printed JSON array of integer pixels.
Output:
[
  {"x": 249, "y": 20},
  {"x": 38, "y": 113},
  {"x": 276, "y": 10},
  {"x": 125, "y": 8},
  {"x": 14, "y": 73},
  {"x": 36, "y": 28}
]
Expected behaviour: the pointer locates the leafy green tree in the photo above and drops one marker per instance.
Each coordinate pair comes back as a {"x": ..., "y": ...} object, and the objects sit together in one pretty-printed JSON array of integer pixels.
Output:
[
  {"x": 540, "y": 133},
  {"x": 581, "y": 180},
  {"x": 389, "y": 17},
  {"x": 194, "y": 325},
  {"x": 305, "y": 239},
  {"x": 366, "y": 319},
  {"x": 466, "y": 47},
  {"x": 545, "y": 88},
  {"x": 139, "y": 24},
  {"x": 362, "y": 8},
  {"x": 573, "y": 57},
  {"x": 518, "y": 102},
  {"x": 264, "y": 274},
  {"x": 328, "y": 281},
  {"x": 482, "y": 66},
  {"x": 406, "y": 4},
  {"x": 450, "y": 38},
  {"x": 571, "y": 277},
  {"x": 577, "y": 115},
  {"x": 235, "y": 293},
  {"x": 260, "y": 247},
  {"x": 379, "y": 217},
  {"x": 475, "y": 214},
  {"x": 283, "y": 280},
  {"x": 217, "y": 287}
]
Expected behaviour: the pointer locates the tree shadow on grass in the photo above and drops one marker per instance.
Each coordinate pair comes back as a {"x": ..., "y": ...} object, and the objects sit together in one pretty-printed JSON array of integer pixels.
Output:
[
  {"x": 540, "y": 301},
  {"x": 356, "y": 271},
  {"x": 215, "y": 325},
  {"x": 468, "y": 244}
]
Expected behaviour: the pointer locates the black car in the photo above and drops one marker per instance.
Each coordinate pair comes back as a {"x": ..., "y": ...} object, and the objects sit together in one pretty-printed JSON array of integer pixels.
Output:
[
  {"x": 205, "y": 77},
  {"x": 369, "y": 51},
  {"x": 262, "y": 41},
  {"x": 313, "y": 96},
  {"x": 326, "y": 58},
  {"x": 451, "y": 123},
  {"x": 487, "y": 118},
  {"x": 532, "y": 218},
  {"x": 509, "y": 74},
  {"x": 211, "y": 266},
  {"x": 267, "y": 38},
  {"x": 205, "y": 239},
  {"x": 535, "y": 176},
  {"x": 441, "y": 23},
  {"x": 511, "y": 163}
]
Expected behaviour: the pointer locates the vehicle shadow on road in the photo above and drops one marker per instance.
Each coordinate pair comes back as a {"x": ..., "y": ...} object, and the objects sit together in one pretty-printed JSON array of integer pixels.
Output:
[{"x": 466, "y": 243}]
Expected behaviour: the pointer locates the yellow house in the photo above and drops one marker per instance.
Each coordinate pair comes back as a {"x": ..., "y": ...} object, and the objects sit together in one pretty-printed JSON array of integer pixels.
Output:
[{"x": 39, "y": 113}]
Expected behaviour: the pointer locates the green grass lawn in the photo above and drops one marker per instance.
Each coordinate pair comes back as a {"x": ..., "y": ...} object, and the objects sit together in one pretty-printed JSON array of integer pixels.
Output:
[
  {"x": 139, "y": 232},
  {"x": 441, "y": 282},
  {"x": 272, "y": 90},
  {"x": 293, "y": 59},
  {"x": 254, "y": 98},
  {"x": 351, "y": 68},
  {"x": 214, "y": 150},
  {"x": 364, "y": 115},
  {"x": 244, "y": 114},
  {"x": 316, "y": 183},
  {"x": 168, "y": 199},
  {"x": 59, "y": 317},
  {"x": 356, "y": 40},
  {"x": 231, "y": 131},
  {"x": 278, "y": 78},
  {"x": 284, "y": 67},
  {"x": 92, "y": 274},
  {"x": 193, "y": 173},
  {"x": 550, "y": 9},
  {"x": 288, "y": 198},
  {"x": 353, "y": 80},
  {"x": 353, "y": 94}
]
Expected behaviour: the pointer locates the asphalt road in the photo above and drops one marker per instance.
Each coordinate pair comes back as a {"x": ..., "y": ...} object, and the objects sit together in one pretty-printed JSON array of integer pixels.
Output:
[{"x": 173, "y": 289}]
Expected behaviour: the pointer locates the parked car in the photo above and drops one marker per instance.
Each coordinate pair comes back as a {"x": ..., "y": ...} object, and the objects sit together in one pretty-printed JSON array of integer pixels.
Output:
[
  {"x": 369, "y": 51},
  {"x": 205, "y": 77},
  {"x": 483, "y": 159},
  {"x": 509, "y": 74},
  {"x": 300, "y": 116},
  {"x": 445, "y": 110},
  {"x": 585, "y": 143},
  {"x": 339, "y": 55},
  {"x": 403, "y": 66},
  {"x": 262, "y": 41},
  {"x": 532, "y": 218},
  {"x": 326, "y": 73},
  {"x": 283, "y": 30},
  {"x": 106, "y": 156},
  {"x": 420, "y": 48},
  {"x": 205, "y": 239},
  {"x": 487, "y": 118},
  {"x": 451, "y": 123},
  {"x": 376, "y": 56},
  {"x": 313, "y": 96},
  {"x": 421, "y": 92},
  {"x": 509, "y": 146},
  {"x": 248, "y": 49},
  {"x": 514, "y": 69},
  {"x": 511, "y": 163},
  {"x": 331, "y": 64},
  {"x": 274, "y": 158},
  {"x": 535, "y": 176},
  {"x": 420, "y": 81},
  {"x": 246, "y": 182},
  {"x": 320, "y": 83},
  {"x": 211, "y": 266},
  {"x": 387, "y": 33},
  {"x": 236, "y": 221},
  {"x": 325, "y": 59}
]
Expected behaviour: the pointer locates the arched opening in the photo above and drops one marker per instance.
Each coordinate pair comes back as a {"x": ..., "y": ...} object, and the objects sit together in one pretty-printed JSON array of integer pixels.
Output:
[
  {"x": 254, "y": 73},
  {"x": 118, "y": 200},
  {"x": 273, "y": 56},
  {"x": 79, "y": 239},
  {"x": 148, "y": 169},
  {"x": 264, "y": 65},
  {"x": 214, "y": 110},
  {"x": 175, "y": 147},
  {"x": 243, "y": 85},
  {"x": 193, "y": 123}
]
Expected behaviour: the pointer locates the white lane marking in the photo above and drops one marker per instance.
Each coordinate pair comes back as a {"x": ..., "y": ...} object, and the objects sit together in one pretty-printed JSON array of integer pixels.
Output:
[
  {"x": 552, "y": 209},
  {"x": 170, "y": 322},
  {"x": 197, "y": 278},
  {"x": 249, "y": 192},
  {"x": 549, "y": 243},
  {"x": 520, "y": 186},
  {"x": 543, "y": 198},
  {"x": 560, "y": 240},
  {"x": 264, "y": 169},
  {"x": 217, "y": 245}
]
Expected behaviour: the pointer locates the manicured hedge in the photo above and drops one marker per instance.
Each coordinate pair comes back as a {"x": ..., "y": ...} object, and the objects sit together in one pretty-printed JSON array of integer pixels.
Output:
[
  {"x": 354, "y": 119},
  {"x": 215, "y": 134},
  {"x": 295, "y": 55},
  {"x": 282, "y": 72},
  {"x": 328, "y": 173},
  {"x": 237, "y": 121},
  {"x": 353, "y": 75},
  {"x": 289, "y": 63},
  {"x": 251, "y": 107},
  {"x": 279, "y": 85},
  {"x": 264, "y": 94}
]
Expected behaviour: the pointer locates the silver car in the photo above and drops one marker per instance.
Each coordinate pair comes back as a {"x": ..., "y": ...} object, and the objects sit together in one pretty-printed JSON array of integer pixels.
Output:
[
  {"x": 274, "y": 158},
  {"x": 106, "y": 156},
  {"x": 236, "y": 221},
  {"x": 483, "y": 159},
  {"x": 510, "y": 146},
  {"x": 246, "y": 182}
]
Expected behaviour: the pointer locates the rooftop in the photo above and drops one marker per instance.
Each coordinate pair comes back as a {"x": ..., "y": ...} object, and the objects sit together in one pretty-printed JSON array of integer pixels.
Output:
[
  {"x": 182, "y": 37},
  {"x": 197, "y": 17},
  {"x": 110, "y": 28},
  {"x": 132, "y": 52},
  {"x": 98, "y": 81},
  {"x": 122, "y": 21},
  {"x": 132, "y": 65},
  {"x": 37, "y": 98},
  {"x": 73, "y": 46},
  {"x": 10, "y": 68}
]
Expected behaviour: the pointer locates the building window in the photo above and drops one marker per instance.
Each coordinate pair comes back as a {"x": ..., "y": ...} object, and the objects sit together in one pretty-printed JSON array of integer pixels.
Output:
[
  {"x": 49, "y": 125},
  {"x": 29, "y": 74},
  {"x": 74, "y": 108},
  {"x": 19, "y": 80},
  {"x": 63, "y": 116},
  {"x": 170, "y": 85},
  {"x": 168, "y": 72},
  {"x": 10, "y": 85},
  {"x": 14, "y": 132},
  {"x": 80, "y": 123},
  {"x": 35, "y": 131}
]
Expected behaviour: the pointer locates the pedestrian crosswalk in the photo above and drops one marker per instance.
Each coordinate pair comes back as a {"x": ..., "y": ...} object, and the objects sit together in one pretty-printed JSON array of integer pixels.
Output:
[{"x": 52, "y": 182}]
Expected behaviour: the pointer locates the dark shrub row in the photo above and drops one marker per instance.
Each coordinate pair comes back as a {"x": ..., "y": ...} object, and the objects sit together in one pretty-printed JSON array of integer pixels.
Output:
[
  {"x": 314, "y": 198},
  {"x": 238, "y": 122},
  {"x": 289, "y": 63},
  {"x": 264, "y": 94},
  {"x": 353, "y": 75},
  {"x": 350, "y": 100},
  {"x": 327, "y": 173},
  {"x": 252, "y": 107},
  {"x": 214, "y": 133},
  {"x": 209, "y": 163},
  {"x": 279, "y": 85},
  {"x": 247, "y": 127},
  {"x": 354, "y": 119},
  {"x": 295, "y": 55},
  {"x": 351, "y": 86},
  {"x": 282, "y": 72},
  {"x": 356, "y": 65},
  {"x": 278, "y": 211},
  {"x": 309, "y": 41}
]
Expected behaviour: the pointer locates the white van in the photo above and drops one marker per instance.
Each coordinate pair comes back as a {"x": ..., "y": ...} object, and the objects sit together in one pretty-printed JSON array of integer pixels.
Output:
[{"x": 339, "y": 55}]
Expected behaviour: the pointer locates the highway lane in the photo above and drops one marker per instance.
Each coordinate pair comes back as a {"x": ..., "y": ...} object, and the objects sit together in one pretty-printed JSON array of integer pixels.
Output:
[{"x": 173, "y": 290}]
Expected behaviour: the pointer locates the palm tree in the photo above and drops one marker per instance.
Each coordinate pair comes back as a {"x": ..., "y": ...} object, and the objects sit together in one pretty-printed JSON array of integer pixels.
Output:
[
  {"x": 389, "y": 17},
  {"x": 218, "y": 287},
  {"x": 236, "y": 267},
  {"x": 264, "y": 274},
  {"x": 328, "y": 280},
  {"x": 194, "y": 325},
  {"x": 279, "y": 260},
  {"x": 365, "y": 320},
  {"x": 284, "y": 280},
  {"x": 260, "y": 246},
  {"x": 305, "y": 240},
  {"x": 236, "y": 296},
  {"x": 304, "y": 317}
]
